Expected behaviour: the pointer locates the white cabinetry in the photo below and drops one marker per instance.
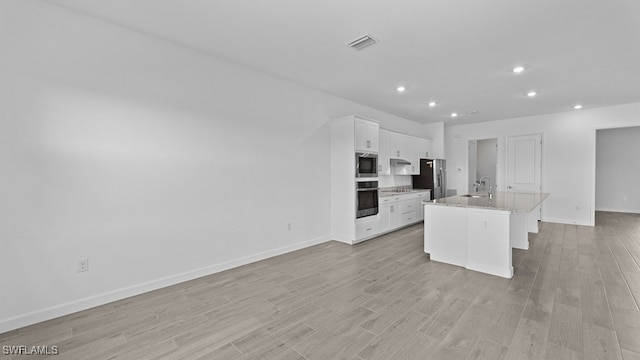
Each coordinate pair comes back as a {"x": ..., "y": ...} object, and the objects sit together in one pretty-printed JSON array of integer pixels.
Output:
[
  {"x": 409, "y": 211},
  {"x": 425, "y": 149},
  {"x": 394, "y": 218},
  {"x": 394, "y": 145},
  {"x": 400, "y": 210},
  {"x": 366, "y": 136},
  {"x": 384, "y": 167},
  {"x": 389, "y": 213},
  {"x": 398, "y": 147},
  {"x": 350, "y": 134},
  {"x": 414, "y": 155},
  {"x": 421, "y": 197},
  {"x": 367, "y": 227}
]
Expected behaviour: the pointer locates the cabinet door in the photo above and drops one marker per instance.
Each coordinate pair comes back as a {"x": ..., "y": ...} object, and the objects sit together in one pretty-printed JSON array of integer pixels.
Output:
[
  {"x": 425, "y": 149},
  {"x": 385, "y": 217},
  {"x": 384, "y": 167},
  {"x": 419, "y": 209},
  {"x": 407, "y": 205},
  {"x": 366, "y": 136},
  {"x": 394, "y": 215},
  {"x": 414, "y": 155},
  {"x": 396, "y": 145},
  {"x": 367, "y": 228},
  {"x": 408, "y": 218}
]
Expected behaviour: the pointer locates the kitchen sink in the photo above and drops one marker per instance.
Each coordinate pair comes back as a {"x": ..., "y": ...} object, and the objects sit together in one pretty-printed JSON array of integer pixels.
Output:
[{"x": 474, "y": 196}]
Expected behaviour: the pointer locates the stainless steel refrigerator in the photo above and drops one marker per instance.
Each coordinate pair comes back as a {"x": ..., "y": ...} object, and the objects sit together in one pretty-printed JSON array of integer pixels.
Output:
[{"x": 433, "y": 175}]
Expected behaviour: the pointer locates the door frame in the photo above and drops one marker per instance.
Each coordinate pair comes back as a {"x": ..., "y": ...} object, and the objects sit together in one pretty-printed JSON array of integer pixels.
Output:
[
  {"x": 542, "y": 162},
  {"x": 594, "y": 154}
]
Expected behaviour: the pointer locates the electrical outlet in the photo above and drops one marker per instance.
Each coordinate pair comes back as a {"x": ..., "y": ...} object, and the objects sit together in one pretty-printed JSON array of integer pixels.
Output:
[
  {"x": 83, "y": 265},
  {"x": 289, "y": 225}
]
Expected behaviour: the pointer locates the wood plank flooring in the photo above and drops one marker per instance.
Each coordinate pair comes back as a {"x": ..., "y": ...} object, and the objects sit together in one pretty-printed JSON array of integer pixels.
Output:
[{"x": 575, "y": 295}]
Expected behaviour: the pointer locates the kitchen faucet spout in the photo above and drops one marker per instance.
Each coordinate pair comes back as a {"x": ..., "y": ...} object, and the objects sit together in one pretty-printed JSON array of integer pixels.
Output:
[{"x": 488, "y": 179}]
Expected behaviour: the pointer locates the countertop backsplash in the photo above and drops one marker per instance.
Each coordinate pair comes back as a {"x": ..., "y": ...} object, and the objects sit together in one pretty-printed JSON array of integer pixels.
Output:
[{"x": 385, "y": 181}]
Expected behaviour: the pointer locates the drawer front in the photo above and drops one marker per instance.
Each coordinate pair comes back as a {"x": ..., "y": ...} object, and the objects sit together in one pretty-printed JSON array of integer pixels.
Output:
[
  {"x": 388, "y": 199},
  {"x": 366, "y": 229},
  {"x": 407, "y": 206},
  {"x": 408, "y": 218},
  {"x": 422, "y": 195}
]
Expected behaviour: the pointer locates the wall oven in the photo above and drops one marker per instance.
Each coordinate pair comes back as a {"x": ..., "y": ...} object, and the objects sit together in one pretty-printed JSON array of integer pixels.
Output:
[
  {"x": 366, "y": 198},
  {"x": 366, "y": 165}
]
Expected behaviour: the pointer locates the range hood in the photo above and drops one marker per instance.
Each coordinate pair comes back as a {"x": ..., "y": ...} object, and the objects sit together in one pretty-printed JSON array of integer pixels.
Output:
[{"x": 397, "y": 162}]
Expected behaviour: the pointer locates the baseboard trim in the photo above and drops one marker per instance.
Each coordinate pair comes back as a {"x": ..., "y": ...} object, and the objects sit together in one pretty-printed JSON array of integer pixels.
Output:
[
  {"x": 492, "y": 270},
  {"x": 625, "y": 211},
  {"x": 53, "y": 312},
  {"x": 566, "y": 221}
]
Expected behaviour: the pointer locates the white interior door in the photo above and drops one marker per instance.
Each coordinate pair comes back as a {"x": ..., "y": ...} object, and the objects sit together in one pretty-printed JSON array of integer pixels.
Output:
[{"x": 524, "y": 163}]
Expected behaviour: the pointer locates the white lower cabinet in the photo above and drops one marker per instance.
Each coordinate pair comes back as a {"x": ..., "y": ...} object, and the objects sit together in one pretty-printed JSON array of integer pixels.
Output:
[
  {"x": 408, "y": 218},
  {"x": 407, "y": 205},
  {"x": 389, "y": 213},
  {"x": 420, "y": 208},
  {"x": 396, "y": 211},
  {"x": 366, "y": 228},
  {"x": 394, "y": 218},
  {"x": 384, "y": 215}
]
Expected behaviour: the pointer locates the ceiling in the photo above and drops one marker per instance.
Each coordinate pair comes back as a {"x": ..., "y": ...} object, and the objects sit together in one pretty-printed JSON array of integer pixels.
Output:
[{"x": 458, "y": 53}]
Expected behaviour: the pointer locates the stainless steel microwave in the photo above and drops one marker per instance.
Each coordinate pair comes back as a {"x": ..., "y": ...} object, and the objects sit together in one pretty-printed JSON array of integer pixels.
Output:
[{"x": 366, "y": 165}]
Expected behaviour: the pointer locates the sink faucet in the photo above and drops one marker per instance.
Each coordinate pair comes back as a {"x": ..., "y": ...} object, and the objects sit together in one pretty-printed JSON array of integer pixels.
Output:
[{"x": 489, "y": 179}]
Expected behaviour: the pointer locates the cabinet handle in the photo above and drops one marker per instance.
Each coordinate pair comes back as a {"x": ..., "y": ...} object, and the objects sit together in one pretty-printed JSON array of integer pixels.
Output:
[
  {"x": 369, "y": 229},
  {"x": 368, "y": 144}
]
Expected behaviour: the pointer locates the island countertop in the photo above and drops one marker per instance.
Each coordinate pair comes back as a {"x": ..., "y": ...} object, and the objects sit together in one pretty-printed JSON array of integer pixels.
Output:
[{"x": 502, "y": 200}]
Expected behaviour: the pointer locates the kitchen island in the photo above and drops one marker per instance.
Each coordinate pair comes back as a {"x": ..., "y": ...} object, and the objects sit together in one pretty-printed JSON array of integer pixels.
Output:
[{"x": 478, "y": 231}]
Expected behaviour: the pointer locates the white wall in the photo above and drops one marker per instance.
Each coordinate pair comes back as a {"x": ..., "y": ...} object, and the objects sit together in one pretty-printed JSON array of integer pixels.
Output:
[
  {"x": 158, "y": 163},
  {"x": 618, "y": 170},
  {"x": 568, "y": 155},
  {"x": 435, "y": 132}
]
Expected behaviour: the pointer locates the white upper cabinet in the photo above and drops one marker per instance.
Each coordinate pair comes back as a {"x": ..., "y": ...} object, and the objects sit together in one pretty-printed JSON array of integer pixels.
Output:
[
  {"x": 425, "y": 149},
  {"x": 398, "y": 147},
  {"x": 366, "y": 136},
  {"x": 414, "y": 155},
  {"x": 395, "y": 145},
  {"x": 384, "y": 166}
]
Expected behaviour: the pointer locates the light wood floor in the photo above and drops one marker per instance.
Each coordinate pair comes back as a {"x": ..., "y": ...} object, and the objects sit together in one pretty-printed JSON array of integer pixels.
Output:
[{"x": 575, "y": 295}]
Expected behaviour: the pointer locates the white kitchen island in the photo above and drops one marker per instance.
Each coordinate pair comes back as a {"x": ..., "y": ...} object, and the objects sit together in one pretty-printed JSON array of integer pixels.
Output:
[{"x": 479, "y": 232}]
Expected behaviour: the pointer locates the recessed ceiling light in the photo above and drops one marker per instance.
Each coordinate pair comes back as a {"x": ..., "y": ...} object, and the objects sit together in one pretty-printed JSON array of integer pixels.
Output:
[
  {"x": 577, "y": 107},
  {"x": 432, "y": 104},
  {"x": 518, "y": 69},
  {"x": 401, "y": 89},
  {"x": 532, "y": 94},
  {"x": 362, "y": 42},
  {"x": 454, "y": 114}
]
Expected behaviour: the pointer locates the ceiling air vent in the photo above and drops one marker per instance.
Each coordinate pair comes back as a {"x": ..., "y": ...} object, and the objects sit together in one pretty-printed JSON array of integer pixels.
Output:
[{"x": 362, "y": 42}]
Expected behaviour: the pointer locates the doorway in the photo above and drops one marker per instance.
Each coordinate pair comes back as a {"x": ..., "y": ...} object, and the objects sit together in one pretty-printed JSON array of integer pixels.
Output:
[
  {"x": 617, "y": 170},
  {"x": 483, "y": 162}
]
